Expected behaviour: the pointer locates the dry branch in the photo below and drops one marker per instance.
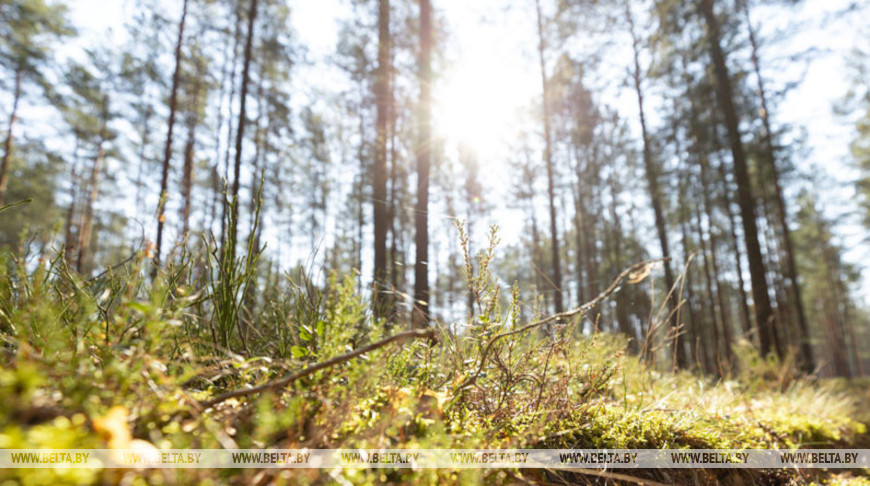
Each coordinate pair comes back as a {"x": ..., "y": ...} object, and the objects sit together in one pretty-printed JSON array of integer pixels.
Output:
[
  {"x": 613, "y": 287},
  {"x": 282, "y": 382}
]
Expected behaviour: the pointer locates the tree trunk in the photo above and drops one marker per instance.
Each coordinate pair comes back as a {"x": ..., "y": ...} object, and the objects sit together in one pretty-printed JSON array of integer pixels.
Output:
[
  {"x": 219, "y": 115},
  {"x": 579, "y": 233},
  {"x": 760, "y": 297},
  {"x": 70, "y": 243},
  {"x": 709, "y": 245},
  {"x": 167, "y": 153},
  {"x": 87, "y": 224},
  {"x": 226, "y": 175},
  {"x": 189, "y": 154},
  {"x": 652, "y": 178},
  {"x": 746, "y": 317},
  {"x": 360, "y": 210},
  {"x": 87, "y": 221},
  {"x": 697, "y": 346},
  {"x": 392, "y": 209},
  {"x": 548, "y": 160},
  {"x": 240, "y": 131},
  {"x": 379, "y": 170},
  {"x": 7, "y": 154},
  {"x": 791, "y": 273},
  {"x": 420, "y": 317},
  {"x": 724, "y": 317}
]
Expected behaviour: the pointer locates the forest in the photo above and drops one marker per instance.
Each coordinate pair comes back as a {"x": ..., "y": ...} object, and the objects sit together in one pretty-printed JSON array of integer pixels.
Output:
[{"x": 408, "y": 224}]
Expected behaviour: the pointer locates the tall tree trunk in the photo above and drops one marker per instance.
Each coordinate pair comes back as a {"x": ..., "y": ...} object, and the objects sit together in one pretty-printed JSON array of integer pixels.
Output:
[
  {"x": 226, "y": 175},
  {"x": 379, "y": 170},
  {"x": 709, "y": 305},
  {"x": 791, "y": 272},
  {"x": 87, "y": 221},
  {"x": 652, "y": 178},
  {"x": 745, "y": 315},
  {"x": 725, "y": 321},
  {"x": 257, "y": 166},
  {"x": 760, "y": 297},
  {"x": 548, "y": 160},
  {"x": 167, "y": 153},
  {"x": 579, "y": 233},
  {"x": 393, "y": 209},
  {"x": 87, "y": 224},
  {"x": 189, "y": 154},
  {"x": 420, "y": 317},
  {"x": 360, "y": 210},
  {"x": 709, "y": 245},
  {"x": 240, "y": 131},
  {"x": 7, "y": 146},
  {"x": 697, "y": 346},
  {"x": 70, "y": 243},
  {"x": 219, "y": 115}
]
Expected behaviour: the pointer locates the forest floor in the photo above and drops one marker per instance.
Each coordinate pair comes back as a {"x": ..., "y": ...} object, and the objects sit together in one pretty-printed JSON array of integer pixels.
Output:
[{"x": 154, "y": 355}]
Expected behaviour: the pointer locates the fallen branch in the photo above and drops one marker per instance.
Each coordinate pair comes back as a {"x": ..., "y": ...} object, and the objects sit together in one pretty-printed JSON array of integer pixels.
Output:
[
  {"x": 613, "y": 287},
  {"x": 282, "y": 382}
]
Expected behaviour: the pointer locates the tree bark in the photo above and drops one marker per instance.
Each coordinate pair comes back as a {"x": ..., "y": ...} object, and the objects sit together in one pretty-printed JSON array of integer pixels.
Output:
[
  {"x": 167, "y": 153},
  {"x": 189, "y": 154},
  {"x": 240, "y": 131},
  {"x": 226, "y": 175},
  {"x": 70, "y": 243},
  {"x": 791, "y": 272},
  {"x": 86, "y": 227},
  {"x": 379, "y": 170},
  {"x": 420, "y": 317},
  {"x": 548, "y": 160},
  {"x": 760, "y": 296},
  {"x": 652, "y": 178}
]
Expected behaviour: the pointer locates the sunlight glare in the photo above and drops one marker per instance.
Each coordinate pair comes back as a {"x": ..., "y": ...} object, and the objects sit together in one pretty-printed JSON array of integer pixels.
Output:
[{"x": 477, "y": 104}]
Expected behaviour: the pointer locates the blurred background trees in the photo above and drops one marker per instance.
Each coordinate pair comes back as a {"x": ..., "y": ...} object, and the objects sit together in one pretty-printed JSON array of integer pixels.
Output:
[{"x": 167, "y": 135}]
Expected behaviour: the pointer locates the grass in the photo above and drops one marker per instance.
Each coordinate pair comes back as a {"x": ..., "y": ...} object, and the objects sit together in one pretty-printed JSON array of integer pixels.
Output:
[{"x": 72, "y": 349}]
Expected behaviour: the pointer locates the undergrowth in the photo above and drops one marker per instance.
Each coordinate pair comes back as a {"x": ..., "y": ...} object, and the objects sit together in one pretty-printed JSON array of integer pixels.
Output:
[{"x": 74, "y": 348}]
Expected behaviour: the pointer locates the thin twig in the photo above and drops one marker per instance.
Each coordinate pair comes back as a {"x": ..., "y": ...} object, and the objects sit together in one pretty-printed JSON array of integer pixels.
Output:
[
  {"x": 613, "y": 287},
  {"x": 282, "y": 382}
]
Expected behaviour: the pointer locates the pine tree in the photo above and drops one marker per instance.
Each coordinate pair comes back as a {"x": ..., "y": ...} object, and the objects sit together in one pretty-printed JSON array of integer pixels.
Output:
[
  {"x": 424, "y": 147},
  {"x": 745, "y": 199},
  {"x": 167, "y": 151},
  {"x": 382, "y": 89},
  {"x": 29, "y": 31},
  {"x": 555, "y": 254}
]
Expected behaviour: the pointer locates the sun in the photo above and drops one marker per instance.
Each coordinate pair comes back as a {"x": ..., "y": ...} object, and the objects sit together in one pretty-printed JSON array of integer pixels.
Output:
[{"x": 477, "y": 104}]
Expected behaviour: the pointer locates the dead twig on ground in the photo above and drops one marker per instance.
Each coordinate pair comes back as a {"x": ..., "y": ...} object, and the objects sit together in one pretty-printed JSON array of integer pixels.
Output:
[{"x": 282, "y": 382}]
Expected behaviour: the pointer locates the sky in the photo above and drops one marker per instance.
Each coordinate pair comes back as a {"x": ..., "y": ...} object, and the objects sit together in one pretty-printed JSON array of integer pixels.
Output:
[{"x": 493, "y": 73}]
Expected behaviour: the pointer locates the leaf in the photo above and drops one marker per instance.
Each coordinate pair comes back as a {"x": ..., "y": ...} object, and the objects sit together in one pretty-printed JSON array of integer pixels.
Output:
[
  {"x": 298, "y": 352},
  {"x": 305, "y": 333},
  {"x": 640, "y": 274}
]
